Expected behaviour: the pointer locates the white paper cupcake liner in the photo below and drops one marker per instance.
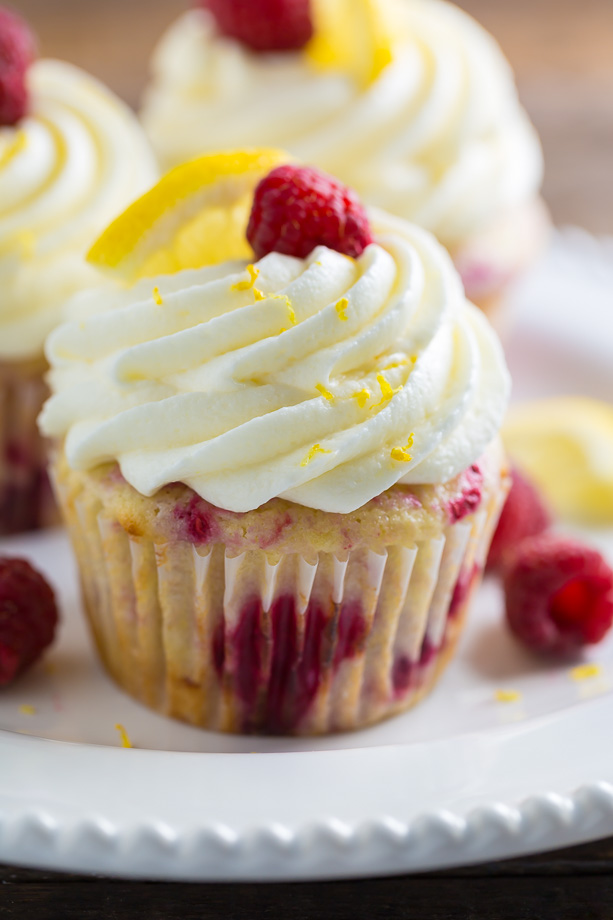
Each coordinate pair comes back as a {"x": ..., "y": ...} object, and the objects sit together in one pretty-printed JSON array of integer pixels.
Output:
[
  {"x": 278, "y": 644},
  {"x": 26, "y": 499}
]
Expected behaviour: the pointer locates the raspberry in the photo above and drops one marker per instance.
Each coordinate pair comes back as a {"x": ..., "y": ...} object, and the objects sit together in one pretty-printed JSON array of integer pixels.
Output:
[
  {"x": 559, "y": 594},
  {"x": 264, "y": 25},
  {"x": 16, "y": 54},
  {"x": 296, "y": 208},
  {"x": 524, "y": 515},
  {"x": 28, "y": 617}
]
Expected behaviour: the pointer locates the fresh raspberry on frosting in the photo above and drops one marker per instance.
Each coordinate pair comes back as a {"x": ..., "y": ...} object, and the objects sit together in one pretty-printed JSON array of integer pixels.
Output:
[
  {"x": 524, "y": 515},
  {"x": 28, "y": 617},
  {"x": 559, "y": 594},
  {"x": 16, "y": 54},
  {"x": 297, "y": 208},
  {"x": 264, "y": 25}
]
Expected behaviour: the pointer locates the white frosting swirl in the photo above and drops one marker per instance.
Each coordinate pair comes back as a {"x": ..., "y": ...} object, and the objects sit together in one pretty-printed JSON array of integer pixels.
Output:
[
  {"x": 302, "y": 394},
  {"x": 439, "y": 138},
  {"x": 66, "y": 170}
]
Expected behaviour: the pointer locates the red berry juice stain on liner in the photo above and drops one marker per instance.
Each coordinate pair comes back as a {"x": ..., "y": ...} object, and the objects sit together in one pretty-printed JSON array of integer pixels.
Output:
[
  {"x": 284, "y": 661},
  {"x": 462, "y": 589},
  {"x": 406, "y": 674},
  {"x": 470, "y": 497},
  {"x": 352, "y": 631}
]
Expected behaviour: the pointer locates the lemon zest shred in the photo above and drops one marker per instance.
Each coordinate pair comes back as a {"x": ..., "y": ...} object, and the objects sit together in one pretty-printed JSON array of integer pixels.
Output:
[
  {"x": 362, "y": 397},
  {"x": 325, "y": 393},
  {"x": 507, "y": 696},
  {"x": 253, "y": 273},
  {"x": 585, "y": 672},
  {"x": 316, "y": 449},
  {"x": 157, "y": 296},
  {"x": 27, "y": 710},
  {"x": 402, "y": 453},
  {"x": 402, "y": 362},
  {"x": 341, "y": 309},
  {"x": 125, "y": 740},
  {"x": 387, "y": 391}
]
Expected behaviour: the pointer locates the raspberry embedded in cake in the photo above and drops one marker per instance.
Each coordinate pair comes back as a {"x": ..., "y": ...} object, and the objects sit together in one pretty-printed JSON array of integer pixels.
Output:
[
  {"x": 16, "y": 54},
  {"x": 264, "y": 25},
  {"x": 297, "y": 208}
]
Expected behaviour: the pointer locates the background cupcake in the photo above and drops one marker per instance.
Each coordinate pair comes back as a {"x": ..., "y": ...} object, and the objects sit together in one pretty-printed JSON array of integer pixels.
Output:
[
  {"x": 280, "y": 476},
  {"x": 71, "y": 157},
  {"x": 411, "y": 103}
]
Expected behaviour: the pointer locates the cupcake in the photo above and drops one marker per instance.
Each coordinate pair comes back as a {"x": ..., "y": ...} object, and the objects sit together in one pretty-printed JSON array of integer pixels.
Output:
[
  {"x": 411, "y": 103},
  {"x": 71, "y": 157},
  {"x": 280, "y": 475}
]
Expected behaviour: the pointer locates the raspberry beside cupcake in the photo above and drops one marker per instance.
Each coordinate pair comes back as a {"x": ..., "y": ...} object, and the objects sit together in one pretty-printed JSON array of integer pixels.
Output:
[{"x": 281, "y": 477}]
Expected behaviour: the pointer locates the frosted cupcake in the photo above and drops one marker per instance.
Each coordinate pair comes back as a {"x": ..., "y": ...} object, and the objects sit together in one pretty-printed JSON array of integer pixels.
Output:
[
  {"x": 71, "y": 157},
  {"x": 411, "y": 103},
  {"x": 280, "y": 476}
]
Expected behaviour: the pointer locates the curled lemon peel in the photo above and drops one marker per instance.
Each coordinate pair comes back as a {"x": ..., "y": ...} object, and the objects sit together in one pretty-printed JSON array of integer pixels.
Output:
[
  {"x": 196, "y": 215},
  {"x": 157, "y": 296},
  {"x": 325, "y": 393},
  {"x": 316, "y": 449},
  {"x": 123, "y": 735},
  {"x": 341, "y": 308},
  {"x": 356, "y": 37},
  {"x": 402, "y": 453}
]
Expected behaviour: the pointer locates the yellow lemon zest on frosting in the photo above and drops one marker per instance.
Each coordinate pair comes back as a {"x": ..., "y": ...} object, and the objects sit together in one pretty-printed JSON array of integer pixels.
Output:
[
  {"x": 288, "y": 304},
  {"x": 402, "y": 453},
  {"x": 325, "y": 393},
  {"x": 157, "y": 296},
  {"x": 316, "y": 449},
  {"x": 362, "y": 397},
  {"x": 125, "y": 740},
  {"x": 27, "y": 710},
  {"x": 15, "y": 146},
  {"x": 507, "y": 696},
  {"x": 387, "y": 391},
  {"x": 247, "y": 285},
  {"x": 341, "y": 308},
  {"x": 401, "y": 362},
  {"x": 585, "y": 672}
]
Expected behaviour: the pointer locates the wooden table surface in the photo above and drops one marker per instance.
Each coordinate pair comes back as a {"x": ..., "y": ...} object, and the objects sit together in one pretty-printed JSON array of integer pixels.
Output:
[{"x": 562, "y": 51}]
